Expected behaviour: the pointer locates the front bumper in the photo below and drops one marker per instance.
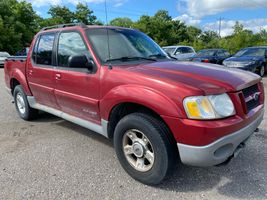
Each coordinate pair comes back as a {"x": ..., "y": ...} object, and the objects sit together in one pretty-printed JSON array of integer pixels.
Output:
[{"x": 218, "y": 151}]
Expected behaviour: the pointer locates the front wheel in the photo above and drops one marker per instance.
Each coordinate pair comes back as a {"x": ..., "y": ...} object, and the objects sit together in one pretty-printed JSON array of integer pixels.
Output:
[
  {"x": 22, "y": 105},
  {"x": 144, "y": 148}
]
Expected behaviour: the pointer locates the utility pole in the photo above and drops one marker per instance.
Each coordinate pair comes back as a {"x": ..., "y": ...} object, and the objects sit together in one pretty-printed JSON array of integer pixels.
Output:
[{"x": 220, "y": 26}]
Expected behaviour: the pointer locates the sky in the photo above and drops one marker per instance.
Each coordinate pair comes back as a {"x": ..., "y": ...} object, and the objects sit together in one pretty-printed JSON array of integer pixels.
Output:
[{"x": 204, "y": 14}]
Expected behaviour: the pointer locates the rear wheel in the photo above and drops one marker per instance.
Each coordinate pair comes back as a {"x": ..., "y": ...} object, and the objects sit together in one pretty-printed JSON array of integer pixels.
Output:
[
  {"x": 144, "y": 148},
  {"x": 22, "y": 105}
]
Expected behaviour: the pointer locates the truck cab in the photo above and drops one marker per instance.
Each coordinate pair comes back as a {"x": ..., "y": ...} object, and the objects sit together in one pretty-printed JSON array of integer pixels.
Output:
[{"x": 119, "y": 83}]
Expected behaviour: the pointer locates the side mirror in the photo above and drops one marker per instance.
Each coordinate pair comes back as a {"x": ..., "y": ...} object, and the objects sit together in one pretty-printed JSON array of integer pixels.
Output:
[{"x": 80, "y": 61}]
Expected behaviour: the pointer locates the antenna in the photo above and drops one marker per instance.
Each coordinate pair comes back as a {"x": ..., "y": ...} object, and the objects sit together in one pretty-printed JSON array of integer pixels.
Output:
[{"x": 106, "y": 12}]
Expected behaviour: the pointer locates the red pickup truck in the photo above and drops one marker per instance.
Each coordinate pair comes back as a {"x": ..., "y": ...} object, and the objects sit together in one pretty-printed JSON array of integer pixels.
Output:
[{"x": 119, "y": 83}]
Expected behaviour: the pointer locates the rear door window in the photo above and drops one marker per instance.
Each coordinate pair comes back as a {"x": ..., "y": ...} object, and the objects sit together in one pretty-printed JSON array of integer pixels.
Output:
[
  {"x": 44, "y": 49},
  {"x": 187, "y": 50}
]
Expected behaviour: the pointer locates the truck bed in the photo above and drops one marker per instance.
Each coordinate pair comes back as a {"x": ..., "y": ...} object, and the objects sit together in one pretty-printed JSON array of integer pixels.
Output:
[{"x": 12, "y": 64}]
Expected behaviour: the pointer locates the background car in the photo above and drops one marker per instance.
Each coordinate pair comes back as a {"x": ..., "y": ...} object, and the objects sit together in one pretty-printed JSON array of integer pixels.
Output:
[
  {"x": 23, "y": 52},
  {"x": 252, "y": 59},
  {"x": 181, "y": 53},
  {"x": 215, "y": 56},
  {"x": 3, "y": 57}
]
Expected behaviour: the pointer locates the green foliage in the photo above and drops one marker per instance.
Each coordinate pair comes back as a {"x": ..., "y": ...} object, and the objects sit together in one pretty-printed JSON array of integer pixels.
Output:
[
  {"x": 19, "y": 23},
  {"x": 122, "y": 22},
  {"x": 162, "y": 28}
]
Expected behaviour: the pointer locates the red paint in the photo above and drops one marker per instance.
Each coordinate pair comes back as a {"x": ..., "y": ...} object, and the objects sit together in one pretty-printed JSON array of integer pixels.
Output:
[{"x": 160, "y": 86}]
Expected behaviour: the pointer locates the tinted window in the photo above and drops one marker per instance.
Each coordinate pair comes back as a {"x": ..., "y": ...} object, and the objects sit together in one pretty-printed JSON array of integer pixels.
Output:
[
  {"x": 179, "y": 50},
  {"x": 220, "y": 54},
  {"x": 206, "y": 53},
  {"x": 250, "y": 52},
  {"x": 44, "y": 49},
  {"x": 187, "y": 50},
  {"x": 70, "y": 43}
]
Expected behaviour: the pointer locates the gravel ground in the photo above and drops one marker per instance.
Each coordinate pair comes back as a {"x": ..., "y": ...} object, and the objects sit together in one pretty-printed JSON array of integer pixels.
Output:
[{"x": 50, "y": 158}]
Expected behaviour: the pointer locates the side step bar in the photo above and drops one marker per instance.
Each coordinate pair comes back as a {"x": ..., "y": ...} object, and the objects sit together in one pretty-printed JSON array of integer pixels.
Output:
[{"x": 101, "y": 129}]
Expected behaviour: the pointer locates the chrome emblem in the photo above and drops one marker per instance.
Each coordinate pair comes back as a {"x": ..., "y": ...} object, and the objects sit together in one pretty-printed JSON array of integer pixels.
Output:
[{"x": 255, "y": 97}]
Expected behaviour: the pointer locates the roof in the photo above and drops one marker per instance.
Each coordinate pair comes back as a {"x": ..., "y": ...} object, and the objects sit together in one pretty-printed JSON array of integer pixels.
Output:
[
  {"x": 214, "y": 49},
  {"x": 255, "y": 47},
  {"x": 78, "y": 25},
  {"x": 177, "y": 46}
]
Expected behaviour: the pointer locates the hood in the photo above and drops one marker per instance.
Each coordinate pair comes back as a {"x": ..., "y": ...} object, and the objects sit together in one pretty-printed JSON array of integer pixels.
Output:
[
  {"x": 211, "y": 79},
  {"x": 244, "y": 58}
]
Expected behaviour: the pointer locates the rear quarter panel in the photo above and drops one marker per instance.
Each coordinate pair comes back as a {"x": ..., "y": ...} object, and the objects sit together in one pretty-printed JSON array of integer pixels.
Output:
[{"x": 15, "y": 68}]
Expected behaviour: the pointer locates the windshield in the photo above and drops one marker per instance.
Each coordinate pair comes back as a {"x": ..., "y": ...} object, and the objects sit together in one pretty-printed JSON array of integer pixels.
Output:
[
  {"x": 169, "y": 50},
  {"x": 250, "y": 52},
  {"x": 206, "y": 53},
  {"x": 4, "y": 54},
  {"x": 124, "y": 45}
]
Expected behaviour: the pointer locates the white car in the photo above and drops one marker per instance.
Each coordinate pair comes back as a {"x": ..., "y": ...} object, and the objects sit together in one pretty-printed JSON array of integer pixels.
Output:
[
  {"x": 3, "y": 57},
  {"x": 182, "y": 53}
]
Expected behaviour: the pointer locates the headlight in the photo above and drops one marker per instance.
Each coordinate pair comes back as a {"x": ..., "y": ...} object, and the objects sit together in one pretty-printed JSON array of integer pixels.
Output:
[
  {"x": 238, "y": 64},
  {"x": 225, "y": 63},
  {"x": 249, "y": 63},
  {"x": 209, "y": 107}
]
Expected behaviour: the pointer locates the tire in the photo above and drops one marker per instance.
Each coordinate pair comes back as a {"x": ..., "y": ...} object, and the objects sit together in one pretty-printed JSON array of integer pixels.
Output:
[
  {"x": 150, "y": 137},
  {"x": 22, "y": 105},
  {"x": 261, "y": 71}
]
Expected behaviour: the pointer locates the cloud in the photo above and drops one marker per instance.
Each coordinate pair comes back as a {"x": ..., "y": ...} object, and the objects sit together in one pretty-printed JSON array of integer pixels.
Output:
[
  {"x": 194, "y": 10},
  {"x": 227, "y": 26},
  {"x": 201, "y": 8},
  {"x": 188, "y": 20},
  {"x": 119, "y": 3}
]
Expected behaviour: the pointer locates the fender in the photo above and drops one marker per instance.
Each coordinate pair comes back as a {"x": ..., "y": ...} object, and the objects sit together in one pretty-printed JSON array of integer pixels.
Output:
[
  {"x": 157, "y": 101},
  {"x": 21, "y": 78}
]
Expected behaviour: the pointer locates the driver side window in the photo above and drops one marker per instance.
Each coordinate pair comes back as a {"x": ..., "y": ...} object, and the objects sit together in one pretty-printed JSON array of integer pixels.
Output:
[
  {"x": 70, "y": 44},
  {"x": 178, "y": 51}
]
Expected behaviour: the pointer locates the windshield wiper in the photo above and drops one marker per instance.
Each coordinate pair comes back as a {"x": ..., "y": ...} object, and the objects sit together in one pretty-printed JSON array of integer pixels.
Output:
[
  {"x": 130, "y": 58},
  {"x": 157, "y": 56}
]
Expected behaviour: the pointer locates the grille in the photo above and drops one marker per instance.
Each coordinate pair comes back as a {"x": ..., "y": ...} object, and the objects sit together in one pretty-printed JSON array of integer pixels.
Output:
[{"x": 252, "y": 97}]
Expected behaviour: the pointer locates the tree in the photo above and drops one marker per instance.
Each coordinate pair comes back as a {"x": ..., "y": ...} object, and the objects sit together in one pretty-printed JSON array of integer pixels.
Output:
[
  {"x": 162, "y": 28},
  {"x": 61, "y": 15},
  {"x": 18, "y": 24},
  {"x": 123, "y": 22},
  {"x": 85, "y": 15}
]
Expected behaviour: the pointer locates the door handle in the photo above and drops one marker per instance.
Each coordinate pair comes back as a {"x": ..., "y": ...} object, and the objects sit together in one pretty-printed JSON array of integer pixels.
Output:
[{"x": 58, "y": 76}]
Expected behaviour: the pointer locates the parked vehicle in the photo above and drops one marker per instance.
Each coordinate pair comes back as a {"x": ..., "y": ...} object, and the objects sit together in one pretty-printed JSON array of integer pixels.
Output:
[
  {"x": 156, "y": 110},
  {"x": 3, "y": 57},
  {"x": 182, "y": 53},
  {"x": 252, "y": 59},
  {"x": 23, "y": 52},
  {"x": 215, "y": 56}
]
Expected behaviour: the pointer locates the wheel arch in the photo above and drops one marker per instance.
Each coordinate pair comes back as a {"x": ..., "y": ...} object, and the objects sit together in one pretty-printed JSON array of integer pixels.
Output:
[
  {"x": 126, "y": 100},
  {"x": 18, "y": 78}
]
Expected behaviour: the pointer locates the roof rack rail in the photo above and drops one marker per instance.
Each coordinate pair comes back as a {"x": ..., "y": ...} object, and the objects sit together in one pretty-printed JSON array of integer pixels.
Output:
[{"x": 64, "y": 25}]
